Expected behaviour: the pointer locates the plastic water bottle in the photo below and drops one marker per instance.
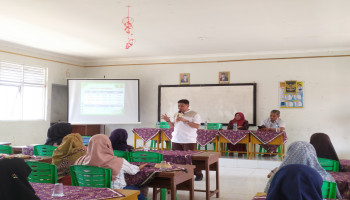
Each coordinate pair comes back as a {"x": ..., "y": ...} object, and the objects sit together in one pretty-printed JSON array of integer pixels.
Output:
[
  {"x": 235, "y": 126},
  {"x": 157, "y": 125},
  {"x": 277, "y": 127},
  {"x": 205, "y": 125}
]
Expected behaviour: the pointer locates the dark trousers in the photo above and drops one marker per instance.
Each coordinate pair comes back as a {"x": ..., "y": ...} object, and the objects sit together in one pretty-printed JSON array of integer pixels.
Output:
[{"x": 186, "y": 147}]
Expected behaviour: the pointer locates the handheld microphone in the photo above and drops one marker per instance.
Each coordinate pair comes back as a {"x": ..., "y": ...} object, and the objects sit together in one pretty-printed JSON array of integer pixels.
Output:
[{"x": 179, "y": 114}]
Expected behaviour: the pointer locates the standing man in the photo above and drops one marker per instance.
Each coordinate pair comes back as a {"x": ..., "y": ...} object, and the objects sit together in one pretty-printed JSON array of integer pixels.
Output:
[
  {"x": 185, "y": 124},
  {"x": 269, "y": 124}
]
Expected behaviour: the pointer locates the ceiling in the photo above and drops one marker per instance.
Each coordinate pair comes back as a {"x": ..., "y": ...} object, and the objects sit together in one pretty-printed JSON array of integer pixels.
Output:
[{"x": 92, "y": 29}]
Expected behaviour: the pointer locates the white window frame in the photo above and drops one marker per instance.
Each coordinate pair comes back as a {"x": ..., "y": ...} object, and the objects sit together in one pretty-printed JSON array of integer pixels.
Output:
[{"x": 21, "y": 84}]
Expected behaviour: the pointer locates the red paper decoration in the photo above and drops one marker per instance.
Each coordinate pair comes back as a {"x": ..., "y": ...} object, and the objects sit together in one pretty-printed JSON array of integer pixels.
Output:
[{"x": 127, "y": 22}]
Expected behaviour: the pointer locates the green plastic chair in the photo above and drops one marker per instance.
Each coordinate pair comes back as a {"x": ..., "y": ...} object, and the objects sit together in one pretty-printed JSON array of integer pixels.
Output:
[
  {"x": 5, "y": 149},
  {"x": 44, "y": 150},
  {"x": 42, "y": 172},
  {"x": 329, "y": 190},
  {"x": 121, "y": 154},
  {"x": 145, "y": 156},
  {"x": 211, "y": 126},
  {"x": 86, "y": 140},
  {"x": 329, "y": 165},
  {"x": 214, "y": 126},
  {"x": 90, "y": 176},
  {"x": 163, "y": 125}
]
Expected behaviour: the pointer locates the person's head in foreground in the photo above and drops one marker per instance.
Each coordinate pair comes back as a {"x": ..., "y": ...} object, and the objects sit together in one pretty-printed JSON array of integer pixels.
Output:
[
  {"x": 323, "y": 146},
  {"x": 100, "y": 154},
  {"x": 296, "y": 182},
  {"x": 119, "y": 139},
  {"x": 301, "y": 152},
  {"x": 14, "y": 183}
]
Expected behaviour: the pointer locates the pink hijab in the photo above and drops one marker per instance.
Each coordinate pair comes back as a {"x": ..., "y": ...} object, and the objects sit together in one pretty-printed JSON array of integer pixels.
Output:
[{"x": 100, "y": 154}]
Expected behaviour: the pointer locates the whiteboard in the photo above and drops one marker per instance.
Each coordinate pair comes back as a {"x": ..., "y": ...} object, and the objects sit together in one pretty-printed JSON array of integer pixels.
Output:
[{"x": 214, "y": 103}]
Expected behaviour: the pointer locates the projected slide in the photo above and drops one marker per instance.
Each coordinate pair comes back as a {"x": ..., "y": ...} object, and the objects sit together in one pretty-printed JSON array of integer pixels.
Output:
[
  {"x": 103, "y": 101},
  {"x": 102, "y": 98}
]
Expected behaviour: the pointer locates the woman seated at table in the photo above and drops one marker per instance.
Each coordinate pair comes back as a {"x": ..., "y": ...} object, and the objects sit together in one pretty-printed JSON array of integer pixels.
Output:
[
  {"x": 303, "y": 153},
  {"x": 119, "y": 139},
  {"x": 242, "y": 124},
  {"x": 66, "y": 154},
  {"x": 100, "y": 154},
  {"x": 14, "y": 183},
  {"x": 323, "y": 146},
  {"x": 293, "y": 182},
  {"x": 56, "y": 133}
]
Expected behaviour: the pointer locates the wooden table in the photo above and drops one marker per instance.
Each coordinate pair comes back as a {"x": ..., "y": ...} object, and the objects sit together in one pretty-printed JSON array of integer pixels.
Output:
[
  {"x": 260, "y": 196},
  {"x": 164, "y": 138},
  {"x": 44, "y": 191},
  {"x": 44, "y": 159},
  {"x": 276, "y": 141},
  {"x": 208, "y": 161},
  {"x": 17, "y": 149},
  {"x": 129, "y": 195},
  {"x": 156, "y": 138},
  {"x": 245, "y": 140},
  {"x": 175, "y": 180}
]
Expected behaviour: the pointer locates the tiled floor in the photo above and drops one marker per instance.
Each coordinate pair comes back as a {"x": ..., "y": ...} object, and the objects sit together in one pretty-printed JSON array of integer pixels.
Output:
[{"x": 240, "y": 179}]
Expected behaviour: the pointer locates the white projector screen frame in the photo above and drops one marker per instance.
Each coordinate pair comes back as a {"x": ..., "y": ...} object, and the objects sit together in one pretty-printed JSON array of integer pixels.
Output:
[
  {"x": 101, "y": 109},
  {"x": 215, "y": 103}
]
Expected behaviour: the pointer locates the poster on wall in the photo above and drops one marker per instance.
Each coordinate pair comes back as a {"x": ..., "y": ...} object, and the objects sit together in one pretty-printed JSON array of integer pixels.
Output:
[{"x": 291, "y": 94}]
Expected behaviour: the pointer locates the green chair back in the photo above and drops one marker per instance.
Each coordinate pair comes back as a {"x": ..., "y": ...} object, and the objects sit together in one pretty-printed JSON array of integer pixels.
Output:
[
  {"x": 163, "y": 125},
  {"x": 44, "y": 150},
  {"x": 5, "y": 149},
  {"x": 214, "y": 126},
  {"x": 121, "y": 154},
  {"x": 145, "y": 156},
  {"x": 86, "y": 140},
  {"x": 329, "y": 165},
  {"x": 42, "y": 172},
  {"x": 90, "y": 176},
  {"x": 329, "y": 190}
]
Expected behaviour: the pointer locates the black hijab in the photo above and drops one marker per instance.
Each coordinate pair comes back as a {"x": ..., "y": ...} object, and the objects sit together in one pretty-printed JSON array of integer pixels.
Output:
[
  {"x": 323, "y": 146},
  {"x": 119, "y": 139},
  {"x": 14, "y": 173},
  {"x": 296, "y": 182},
  {"x": 56, "y": 133}
]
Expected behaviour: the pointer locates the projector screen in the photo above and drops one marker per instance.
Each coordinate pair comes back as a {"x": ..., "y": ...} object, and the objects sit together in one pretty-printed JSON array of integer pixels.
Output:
[{"x": 103, "y": 101}]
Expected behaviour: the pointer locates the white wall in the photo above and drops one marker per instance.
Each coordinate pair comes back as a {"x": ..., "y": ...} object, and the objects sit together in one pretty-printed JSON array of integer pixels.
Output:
[
  {"x": 327, "y": 91},
  {"x": 34, "y": 132}
]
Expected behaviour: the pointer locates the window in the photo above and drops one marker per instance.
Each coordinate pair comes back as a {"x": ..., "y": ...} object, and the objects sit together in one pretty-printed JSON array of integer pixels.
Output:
[{"x": 22, "y": 90}]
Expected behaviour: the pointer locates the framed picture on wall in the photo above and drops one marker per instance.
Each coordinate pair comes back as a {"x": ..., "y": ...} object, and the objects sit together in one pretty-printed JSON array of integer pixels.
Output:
[
  {"x": 224, "y": 77},
  {"x": 184, "y": 78}
]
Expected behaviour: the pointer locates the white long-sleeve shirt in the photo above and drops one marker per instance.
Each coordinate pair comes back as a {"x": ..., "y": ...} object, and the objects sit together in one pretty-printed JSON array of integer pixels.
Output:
[{"x": 128, "y": 168}]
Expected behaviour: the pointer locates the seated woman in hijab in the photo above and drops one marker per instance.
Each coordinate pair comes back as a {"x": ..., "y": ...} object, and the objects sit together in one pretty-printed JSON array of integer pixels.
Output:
[
  {"x": 242, "y": 124},
  {"x": 119, "y": 139},
  {"x": 56, "y": 133},
  {"x": 303, "y": 153},
  {"x": 323, "y": 146},
  {"x": 66, "y": 154},
  {"x": 14, "y": 183},
  {"x": 100, "y": 154},
  {"x": 296, "y": 182}
]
